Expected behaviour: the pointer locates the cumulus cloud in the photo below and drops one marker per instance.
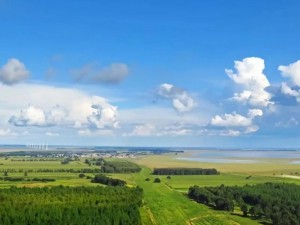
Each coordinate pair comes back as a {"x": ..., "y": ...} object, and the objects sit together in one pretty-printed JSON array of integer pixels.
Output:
[
  {"x": 289, "y": 91},
  {"x": 30, "y": 116},
  {"x": 254, "y": 112},
  {"x": 57, "y": 115},
  {"x": 181, "y": 100},
  {"x": 231, "y": 120},
  {"x": 13, "y": 72},
  {"x": 35, "y": 116},
  {"x": 104, "y": 116},
  {"x": 291, "y": 71},
  {"x": 238, "y": 121},
  {"x": 250, "y": 77},
  {"x": 112, "y": 74},
  {"x": 61, "y": 107}
]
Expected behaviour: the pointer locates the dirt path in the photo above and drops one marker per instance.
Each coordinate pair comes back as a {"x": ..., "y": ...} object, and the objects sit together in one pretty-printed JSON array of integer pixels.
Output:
[{"x": 151, "y": 215}]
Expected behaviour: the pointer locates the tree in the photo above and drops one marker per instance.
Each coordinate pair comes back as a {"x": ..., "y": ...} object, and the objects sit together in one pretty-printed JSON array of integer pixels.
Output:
[
  {"x": 81, "y": 175},
  {"x": 244, "y": 209},
  {"x": 147, "y": 179},
  {"x": 25, "y": 173},
  {"x": 5, "y": 173},
  {"x": 156, "y": 180},
  {"x": 168, "y": 177}
]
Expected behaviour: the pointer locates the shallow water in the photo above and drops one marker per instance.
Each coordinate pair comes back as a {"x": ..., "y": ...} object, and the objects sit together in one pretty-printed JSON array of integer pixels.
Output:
[
  {"x": 250, "y": 154},
  {"x": 242, "y": 156},
  {"x": 218, "y": 160}
]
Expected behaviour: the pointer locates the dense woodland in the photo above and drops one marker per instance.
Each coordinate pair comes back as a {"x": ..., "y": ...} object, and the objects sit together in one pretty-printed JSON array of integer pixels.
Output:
[
  {"x": 279, "y": 203},
  {"x": 66, "y": 205},
  {"x": 185, "y": 171},
  {"x": 102, "y": 179}
]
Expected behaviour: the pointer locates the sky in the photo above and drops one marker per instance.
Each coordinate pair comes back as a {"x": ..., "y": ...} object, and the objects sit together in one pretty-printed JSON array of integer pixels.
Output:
[{"x": 219, "y": 73}]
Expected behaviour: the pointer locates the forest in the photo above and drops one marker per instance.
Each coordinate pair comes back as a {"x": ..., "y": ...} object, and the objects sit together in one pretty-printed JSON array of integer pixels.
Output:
[
  {"x": 70, "y": 205},
  {"x": 185, "y": 171},
  {"x": 278, "y": 203}
]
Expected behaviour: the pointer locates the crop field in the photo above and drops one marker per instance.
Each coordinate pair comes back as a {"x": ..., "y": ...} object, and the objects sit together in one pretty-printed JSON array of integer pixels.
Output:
[
  {"x": 61, "y": 178},
  {"x": 266, "y": 167}
]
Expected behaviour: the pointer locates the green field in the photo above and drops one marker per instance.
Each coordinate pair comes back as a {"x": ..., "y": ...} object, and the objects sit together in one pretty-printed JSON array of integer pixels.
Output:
[
  {"x": 70, "y": 179},
  {"x": 164, "y": 203}
]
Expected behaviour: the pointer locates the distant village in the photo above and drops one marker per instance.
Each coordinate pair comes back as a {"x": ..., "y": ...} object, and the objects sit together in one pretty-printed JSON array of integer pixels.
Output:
[
  {"x": 44, "y": 151},
  {"x": 82, "y": 155}
]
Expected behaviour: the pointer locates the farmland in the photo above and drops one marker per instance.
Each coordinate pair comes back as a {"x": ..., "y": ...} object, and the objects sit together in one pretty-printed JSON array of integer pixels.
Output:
[{"x": 165, "y": 202}]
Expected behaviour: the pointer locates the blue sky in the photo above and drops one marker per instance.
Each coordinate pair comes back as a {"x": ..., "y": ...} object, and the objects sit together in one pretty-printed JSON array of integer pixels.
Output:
[{"x": 151, "y": 73}]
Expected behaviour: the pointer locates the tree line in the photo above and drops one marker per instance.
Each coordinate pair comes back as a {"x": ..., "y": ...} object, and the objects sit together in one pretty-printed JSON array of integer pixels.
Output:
[
  {"x": 278, "y": 203},
  {"x": 185, "y": 171},
  {"x": 70, "y": 205},
  {"x": 102, "y": 179},
  {"x": 45, "y": 170},
  {"x": 27, "y": 179}
]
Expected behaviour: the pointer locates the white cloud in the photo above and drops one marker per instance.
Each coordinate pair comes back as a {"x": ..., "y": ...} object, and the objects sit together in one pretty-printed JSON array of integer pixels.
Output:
[
  {"x": 143, "y": 130},
  {"x": 173, "y": 129},
  {"x": 251, "y": 129},
  {"x": 287, "y": 90},
  {"x": 57, "y": 115},
  {"x": 34, "y": 116},
  {"x": 95, "y": 133},
  {"x": 104, "y": 116},
  {"x": 291, "y": 122},
  {"x": 52, "y": 134},
  {"x": 292, "y": 71},
  {"x": 182, "y": 101},
  {"x": 13, "y": 72},
  {"x": 238, "y": 121},
  {"x": 231, "y": 120},
  {"x": 30, "y": 116},
  {"x": 249, "y": 75},
  {"x": 231, "y": 133},
  {"x": 255, "y": 112},
  {"x": 63, "y": 107},
  {"x": 7, "y": 132},
  {"x": 113, "y": 73}
]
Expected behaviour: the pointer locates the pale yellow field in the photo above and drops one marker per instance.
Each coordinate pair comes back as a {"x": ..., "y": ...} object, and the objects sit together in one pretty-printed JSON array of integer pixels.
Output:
[{"x": 267, "y": 167}]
